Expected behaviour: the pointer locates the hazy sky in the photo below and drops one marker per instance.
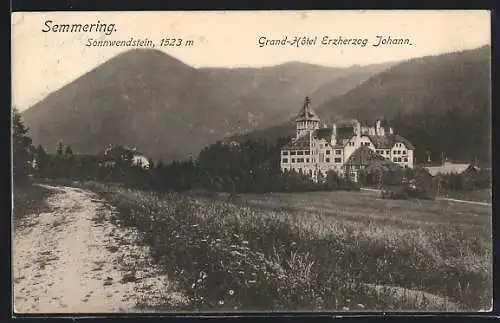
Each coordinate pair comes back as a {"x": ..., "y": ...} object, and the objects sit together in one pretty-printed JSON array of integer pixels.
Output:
[{"x": 45, "y": 61}]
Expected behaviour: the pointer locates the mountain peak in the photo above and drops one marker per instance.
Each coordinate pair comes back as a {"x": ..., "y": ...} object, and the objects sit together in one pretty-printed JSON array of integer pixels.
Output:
[{"x": 146, "y": 56}]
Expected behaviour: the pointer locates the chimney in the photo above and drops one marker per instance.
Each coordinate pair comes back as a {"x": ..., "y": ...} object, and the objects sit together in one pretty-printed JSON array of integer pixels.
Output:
[
  {"x": 357, "y": 126},
  {"x": 334, "y": 134},
  {"x": 377, "y": 128}
]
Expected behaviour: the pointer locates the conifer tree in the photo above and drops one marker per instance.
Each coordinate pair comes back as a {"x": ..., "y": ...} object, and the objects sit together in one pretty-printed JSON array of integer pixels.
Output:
[
  {"x": 68, "y": 151},
  {"x": 42, "y": 159},
  {"x": 60, "y": 148},
  {"x": 21, "y": 147}
]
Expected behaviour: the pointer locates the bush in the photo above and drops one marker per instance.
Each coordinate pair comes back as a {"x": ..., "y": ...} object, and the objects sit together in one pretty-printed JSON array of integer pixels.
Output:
[
  {"x": 466, "y": 182},
  {"x": 336, "y": 182}
]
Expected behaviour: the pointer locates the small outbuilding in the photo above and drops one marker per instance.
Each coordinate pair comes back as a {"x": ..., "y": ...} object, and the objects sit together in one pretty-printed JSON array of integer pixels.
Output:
[
  {"x": 454, "y": 175},
  {"x": 448, "y": 168}
]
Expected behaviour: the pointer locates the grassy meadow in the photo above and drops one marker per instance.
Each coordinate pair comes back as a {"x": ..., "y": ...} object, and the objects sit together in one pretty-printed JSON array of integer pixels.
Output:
[{"x": 320, "y": 251}]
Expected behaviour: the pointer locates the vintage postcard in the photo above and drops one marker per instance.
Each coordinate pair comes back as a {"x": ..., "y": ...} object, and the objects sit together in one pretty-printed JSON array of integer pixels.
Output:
[{"x": 251, "y": 161}]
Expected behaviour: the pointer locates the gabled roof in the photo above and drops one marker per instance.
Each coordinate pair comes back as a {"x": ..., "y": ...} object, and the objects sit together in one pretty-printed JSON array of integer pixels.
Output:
[
  {"x": 301, "y": 143},
  {"x": 345, "y": 132},
  {"x": 365, "y": 156},
  {"x": 306, "y": 112},
  {"x": 401, "y": 139},
  {"x": 382, "y": 142},
  {"x": 327, "y": 134},
  {"x": 450, "y": 168},
  {"x": 387, "y": 141},
  {"x": 323, "y": 133}
]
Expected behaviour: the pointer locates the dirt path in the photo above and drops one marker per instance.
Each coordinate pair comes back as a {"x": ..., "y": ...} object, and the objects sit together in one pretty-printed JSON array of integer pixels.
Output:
[
  {"x": 464, "y": 201},
  {"x": 438, "y": 198},
  {"x": 74, "y": 260}
]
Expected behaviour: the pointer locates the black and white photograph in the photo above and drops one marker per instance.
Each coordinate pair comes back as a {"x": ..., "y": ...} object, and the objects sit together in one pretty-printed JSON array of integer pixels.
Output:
[{"x": 251, "y": 161}]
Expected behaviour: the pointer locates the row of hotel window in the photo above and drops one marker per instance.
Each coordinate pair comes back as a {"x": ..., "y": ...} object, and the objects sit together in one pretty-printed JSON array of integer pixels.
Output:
[
  {"x": 306, "y": 160},
  {"x": 300, "y": 170},
  {"x": 388, "y": 152},
  {"x": 339, "y": 160},
  {"x": 350, "y": 143},
  {"x": 339, "y": 152},
  {"x": 307, "y": 152}
]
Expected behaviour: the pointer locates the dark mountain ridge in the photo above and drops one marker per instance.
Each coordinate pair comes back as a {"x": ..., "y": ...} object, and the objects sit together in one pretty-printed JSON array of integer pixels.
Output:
[
  {"x": 441, "y": 103},
  {"x": 170, "y": 110}
]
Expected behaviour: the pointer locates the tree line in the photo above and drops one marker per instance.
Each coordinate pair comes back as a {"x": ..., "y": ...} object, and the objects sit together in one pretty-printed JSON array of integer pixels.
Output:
[{"x": 252, "y": 166}]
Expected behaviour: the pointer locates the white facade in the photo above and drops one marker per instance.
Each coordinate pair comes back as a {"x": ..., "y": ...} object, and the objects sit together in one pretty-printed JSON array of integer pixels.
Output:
[
  {"x": 141, "y": 161},
  {"x": 316, "y": 148}
]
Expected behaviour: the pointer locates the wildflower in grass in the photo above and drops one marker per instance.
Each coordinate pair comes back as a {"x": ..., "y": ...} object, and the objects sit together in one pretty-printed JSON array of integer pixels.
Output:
[
  {"x": 361, "y": 306},
  {"x": 252, "y": 281},
  {"x": 233, "y": 246},
  {"x": 217, "y": 240},
  {"x": 345, "y": 308},
  {"x": 195, "y": 225},
  {"x": 244, "y": 242},
  {"x": 194, "y": 285},
  {"x": 231, "y": 292},
  {"x": 241, "y": 272},
  {"x": 221, "y": 302},
  {"x": 203, "y": 275}
]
